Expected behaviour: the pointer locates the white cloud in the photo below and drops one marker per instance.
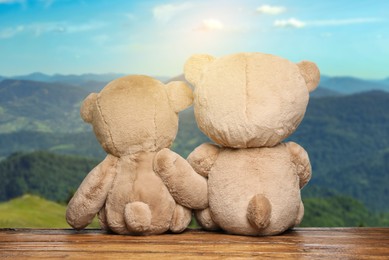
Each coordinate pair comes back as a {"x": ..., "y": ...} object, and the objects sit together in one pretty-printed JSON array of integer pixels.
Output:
[
  {"x": 130, "y": 16},
  {"x": 42, "y": 28},
  {"x": 292, "y": 22},
  {"x": 101, "y": 39},
  {"x": 326, "y": 35},
  {"x": 338, "y": 22},
  {"x": 10, "y": 32},
  {"x": 76, "y": 28},
  {"x": 211, "y": 25},
  {"x": 38, "y": 29},
  {"x": 271, "y": 9},
  {"x": 166, "y": 12},
  {"x": 62, "y": 27}
]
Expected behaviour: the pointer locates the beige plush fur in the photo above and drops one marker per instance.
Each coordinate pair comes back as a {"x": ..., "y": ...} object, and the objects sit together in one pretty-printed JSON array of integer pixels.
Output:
[
  {"x": 248, "y": 103},
  {"x": 135, "y": 118}
]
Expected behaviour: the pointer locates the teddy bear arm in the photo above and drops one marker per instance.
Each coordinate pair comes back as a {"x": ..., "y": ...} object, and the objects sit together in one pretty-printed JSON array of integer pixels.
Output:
[
  {"x": 203, "y": 158},
  {"x": 91, "y": 195},
  {"x": 187, "y": 187},
  {"x": 300, "y": 159}
]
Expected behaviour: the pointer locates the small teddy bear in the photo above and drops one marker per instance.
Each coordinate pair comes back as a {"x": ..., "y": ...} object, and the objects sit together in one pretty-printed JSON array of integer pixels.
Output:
[
  {"x": 135, "y": 119},
  {"x": 248, "y": 103}
]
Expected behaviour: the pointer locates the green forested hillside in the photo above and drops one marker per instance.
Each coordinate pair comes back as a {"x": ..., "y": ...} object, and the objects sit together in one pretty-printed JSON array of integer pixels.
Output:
[
  {"x": 343, "y": 129},
  {"x": 39, "y": 106},
  {"x": 347, "y": 139},
  {"x": 81, "y": 144},
  {"x": 33, "y": 212},
  {"x": 54, "y": 177},
  {"x": 340, "y": 211},
  {"x": 366, "y": 180}
]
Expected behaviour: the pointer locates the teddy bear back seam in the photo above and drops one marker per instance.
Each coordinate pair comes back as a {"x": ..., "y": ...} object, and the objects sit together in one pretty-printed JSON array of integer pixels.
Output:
[
  {"x": 106, "y": 124},
  {"x": 155, "y": 127},
  {"x": 246, "y": 89}
]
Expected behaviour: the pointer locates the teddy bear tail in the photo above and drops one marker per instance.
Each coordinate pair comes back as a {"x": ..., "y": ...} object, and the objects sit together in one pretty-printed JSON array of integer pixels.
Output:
[
  {"x": 137, "y": 216},
  {"x": 259, "y": 212}
]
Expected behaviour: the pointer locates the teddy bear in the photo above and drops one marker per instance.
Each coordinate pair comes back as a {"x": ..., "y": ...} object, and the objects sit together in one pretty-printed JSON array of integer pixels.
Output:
[
  {"x": 135, "y": 119},
  {"x": 248, "y": 103}
]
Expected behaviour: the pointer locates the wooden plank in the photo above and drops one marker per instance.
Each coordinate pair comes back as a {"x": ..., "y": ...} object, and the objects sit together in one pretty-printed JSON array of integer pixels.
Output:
[{"x": 311, "y": 243}]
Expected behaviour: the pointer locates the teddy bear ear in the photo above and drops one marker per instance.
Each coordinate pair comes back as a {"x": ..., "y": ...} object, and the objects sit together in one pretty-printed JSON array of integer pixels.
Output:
[
  {"x": 310, "y": 73},
  {"x": 195, "y": 65},
  {"x": 180, "y": 95},
  {"x": 87, "y": 107}
]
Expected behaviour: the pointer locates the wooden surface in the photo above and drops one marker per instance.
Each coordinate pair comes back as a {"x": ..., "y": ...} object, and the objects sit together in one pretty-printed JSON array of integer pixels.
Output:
[{"x": 309, "y": 243}]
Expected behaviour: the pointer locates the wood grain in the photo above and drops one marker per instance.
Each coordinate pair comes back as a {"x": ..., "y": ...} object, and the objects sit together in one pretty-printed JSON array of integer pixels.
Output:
[{"x": 309, "y": 243}]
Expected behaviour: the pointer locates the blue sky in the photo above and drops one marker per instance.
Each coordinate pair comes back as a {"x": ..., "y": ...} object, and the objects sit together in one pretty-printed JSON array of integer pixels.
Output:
[{"x": 344, "y": 37}]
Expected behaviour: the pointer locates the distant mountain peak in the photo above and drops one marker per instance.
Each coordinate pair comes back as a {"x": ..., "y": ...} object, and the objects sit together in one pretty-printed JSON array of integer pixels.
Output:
[
  {"x": 351, "y": 85},
  {"x": 38, "y": 74}
]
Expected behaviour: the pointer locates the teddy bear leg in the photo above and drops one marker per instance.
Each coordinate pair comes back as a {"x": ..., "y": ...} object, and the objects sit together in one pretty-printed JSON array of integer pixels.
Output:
[
  {"x": 102, "y": 217},
  {"x": 300, "y": 214},
  {"x": 91, "y": 194},
  {"x": 137, "y": 216},
  {"x": 181, "y": 219},
  {"x": 205, "y": 220},
  {"x": 259, "y": 211}
]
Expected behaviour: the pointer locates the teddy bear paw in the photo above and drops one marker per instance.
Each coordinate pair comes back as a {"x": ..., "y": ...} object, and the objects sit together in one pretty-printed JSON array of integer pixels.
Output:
[
  {"x": 300, "y": 214},
  {"x": 164, "y": 160},
  {"x": 205, "y": 220},
  {"x": 181, "y": 219}
]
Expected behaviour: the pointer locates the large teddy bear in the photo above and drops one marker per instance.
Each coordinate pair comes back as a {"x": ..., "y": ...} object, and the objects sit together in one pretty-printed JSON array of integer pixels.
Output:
[
  {"x": 135, "y": 119},
  {"x": 248, "y": 103}
]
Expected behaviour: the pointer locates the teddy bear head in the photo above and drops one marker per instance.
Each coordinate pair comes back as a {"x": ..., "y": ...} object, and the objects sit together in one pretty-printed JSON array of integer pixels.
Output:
[
  {"x": 136, "y": 113},
  {"x": 250, "y": 99}
]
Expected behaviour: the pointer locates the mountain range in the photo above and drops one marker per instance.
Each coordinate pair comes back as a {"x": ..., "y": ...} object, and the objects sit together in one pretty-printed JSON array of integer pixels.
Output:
[
  {"x": 90, "y": 81},
  {"x": 94, "y": 82},
  {"x": 40, "y": 106},
  {"x": 350, "y": 85}
]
